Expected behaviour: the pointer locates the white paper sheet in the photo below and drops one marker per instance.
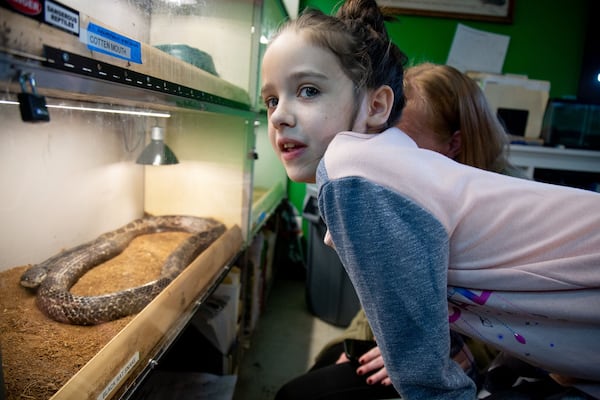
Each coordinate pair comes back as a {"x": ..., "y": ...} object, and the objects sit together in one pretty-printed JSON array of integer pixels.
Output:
[{"x": 476, "y": 50}]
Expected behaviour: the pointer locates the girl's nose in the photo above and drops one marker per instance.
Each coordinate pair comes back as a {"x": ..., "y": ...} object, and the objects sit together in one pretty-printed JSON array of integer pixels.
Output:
[{"x": 282, "y": 115}]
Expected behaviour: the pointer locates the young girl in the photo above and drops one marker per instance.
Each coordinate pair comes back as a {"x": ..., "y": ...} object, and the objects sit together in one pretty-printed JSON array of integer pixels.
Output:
[
  {"x": 447, "y": 112},
  {"x": 429, "y": 244}
]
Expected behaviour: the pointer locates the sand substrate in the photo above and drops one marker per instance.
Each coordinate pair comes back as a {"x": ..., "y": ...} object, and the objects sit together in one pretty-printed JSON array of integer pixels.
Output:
[{"x": 39, "y": 355}]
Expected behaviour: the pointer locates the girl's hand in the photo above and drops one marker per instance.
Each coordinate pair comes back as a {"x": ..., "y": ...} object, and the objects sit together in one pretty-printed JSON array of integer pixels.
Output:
[
  {"x": 372, "y": 361},
  {"x": 342, "y": 358}
]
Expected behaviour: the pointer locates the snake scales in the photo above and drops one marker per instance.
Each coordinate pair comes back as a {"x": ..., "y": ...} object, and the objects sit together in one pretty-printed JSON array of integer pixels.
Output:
[{"x": 54, "y": 277}]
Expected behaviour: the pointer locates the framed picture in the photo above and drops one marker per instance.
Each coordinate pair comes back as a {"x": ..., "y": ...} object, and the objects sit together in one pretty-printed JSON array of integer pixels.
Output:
[{"x": 482, "y": 10}]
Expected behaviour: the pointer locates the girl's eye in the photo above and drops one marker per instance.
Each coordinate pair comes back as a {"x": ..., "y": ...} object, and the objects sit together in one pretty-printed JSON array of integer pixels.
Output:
[
  {"x": 309, "y": 91},
  {"x": 271, "y": 102}
]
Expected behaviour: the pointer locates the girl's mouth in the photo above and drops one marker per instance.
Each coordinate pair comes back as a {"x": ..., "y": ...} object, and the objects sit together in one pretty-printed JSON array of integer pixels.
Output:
[
  {"x": 288, "y": 147},
  {"x": 291, "y": 150}
]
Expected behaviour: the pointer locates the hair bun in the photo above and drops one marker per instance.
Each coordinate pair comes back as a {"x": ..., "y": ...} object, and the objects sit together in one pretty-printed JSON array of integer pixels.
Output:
[{"x": 363, "y": 12}]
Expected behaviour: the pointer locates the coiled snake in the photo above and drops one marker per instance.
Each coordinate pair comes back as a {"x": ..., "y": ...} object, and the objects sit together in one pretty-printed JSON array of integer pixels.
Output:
[{"x": 54, "y": 277}]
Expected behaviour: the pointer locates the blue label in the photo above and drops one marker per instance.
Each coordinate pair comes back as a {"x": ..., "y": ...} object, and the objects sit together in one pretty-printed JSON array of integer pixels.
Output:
[{"x": 104, "y": 41}]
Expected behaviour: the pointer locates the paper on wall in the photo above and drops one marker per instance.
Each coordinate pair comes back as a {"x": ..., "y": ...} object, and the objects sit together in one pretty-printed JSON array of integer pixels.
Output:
[{"x": 477, "y": 50}]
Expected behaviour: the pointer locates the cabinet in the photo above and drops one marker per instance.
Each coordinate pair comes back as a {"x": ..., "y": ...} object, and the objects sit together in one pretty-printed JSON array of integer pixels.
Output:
[{"x": 106, "y": 84}]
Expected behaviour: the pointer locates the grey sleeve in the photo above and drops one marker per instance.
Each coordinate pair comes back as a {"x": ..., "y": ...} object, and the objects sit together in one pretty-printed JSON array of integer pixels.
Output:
[{"x": 396, "y": 254}]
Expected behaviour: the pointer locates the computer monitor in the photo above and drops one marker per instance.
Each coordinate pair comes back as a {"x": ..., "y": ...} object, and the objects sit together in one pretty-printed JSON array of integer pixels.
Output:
[{"x": 589, "y": 80}]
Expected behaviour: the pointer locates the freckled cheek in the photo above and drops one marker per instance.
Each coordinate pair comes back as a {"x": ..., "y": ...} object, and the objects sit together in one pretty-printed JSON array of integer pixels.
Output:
[{"x": 332, "y": 119}]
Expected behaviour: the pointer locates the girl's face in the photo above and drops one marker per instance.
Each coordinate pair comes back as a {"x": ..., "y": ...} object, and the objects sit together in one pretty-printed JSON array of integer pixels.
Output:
[{"x": 309, "y": 100}]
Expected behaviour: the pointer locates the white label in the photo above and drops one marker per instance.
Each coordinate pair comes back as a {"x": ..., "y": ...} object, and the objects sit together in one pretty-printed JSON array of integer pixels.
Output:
[
  {"x": 61, "y": 17},
  {"x": 108, "y": 45},
  {"x": 119, "y": 377}
]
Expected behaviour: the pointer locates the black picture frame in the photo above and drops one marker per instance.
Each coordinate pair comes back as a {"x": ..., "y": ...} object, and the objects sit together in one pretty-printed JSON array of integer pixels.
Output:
[{"x": 499, "y": 11}]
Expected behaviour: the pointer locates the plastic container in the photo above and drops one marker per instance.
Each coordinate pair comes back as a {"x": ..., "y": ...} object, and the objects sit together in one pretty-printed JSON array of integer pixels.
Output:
[{"x": 330, "y": 295}]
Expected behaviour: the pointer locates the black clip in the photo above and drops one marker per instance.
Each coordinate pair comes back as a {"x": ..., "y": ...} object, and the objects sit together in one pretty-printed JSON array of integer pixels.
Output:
[{"x": 32, "y": 105}]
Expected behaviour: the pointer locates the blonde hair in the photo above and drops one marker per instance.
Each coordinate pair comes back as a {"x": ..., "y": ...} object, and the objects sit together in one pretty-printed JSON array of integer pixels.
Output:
[{"x": 452, "y": 101}]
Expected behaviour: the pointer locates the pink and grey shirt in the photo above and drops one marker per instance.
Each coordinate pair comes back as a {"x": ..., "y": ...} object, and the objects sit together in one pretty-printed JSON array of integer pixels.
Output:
[{"x": 431, "y": 244}]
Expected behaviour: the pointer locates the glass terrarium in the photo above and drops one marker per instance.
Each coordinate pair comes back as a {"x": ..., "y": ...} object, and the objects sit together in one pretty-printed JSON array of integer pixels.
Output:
[{"x": 100, "y": 78}]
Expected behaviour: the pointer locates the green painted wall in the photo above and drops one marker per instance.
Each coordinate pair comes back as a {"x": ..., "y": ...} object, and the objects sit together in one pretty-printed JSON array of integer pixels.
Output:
[{"x": 546, "y": 43}]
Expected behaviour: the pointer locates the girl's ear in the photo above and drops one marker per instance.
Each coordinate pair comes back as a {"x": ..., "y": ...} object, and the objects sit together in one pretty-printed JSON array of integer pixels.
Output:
[
  {"x": 454, "y": 146},
  {"x": 381, "y": 101}
]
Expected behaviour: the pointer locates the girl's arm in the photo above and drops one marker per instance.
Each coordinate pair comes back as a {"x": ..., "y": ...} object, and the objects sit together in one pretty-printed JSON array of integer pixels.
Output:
[{"x": 396, "y": 254}]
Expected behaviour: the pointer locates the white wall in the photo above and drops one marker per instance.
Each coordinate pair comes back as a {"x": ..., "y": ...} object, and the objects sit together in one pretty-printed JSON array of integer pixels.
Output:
[
  {"x": 129, "y": 18},
  {"x": 66, "y": 181}
]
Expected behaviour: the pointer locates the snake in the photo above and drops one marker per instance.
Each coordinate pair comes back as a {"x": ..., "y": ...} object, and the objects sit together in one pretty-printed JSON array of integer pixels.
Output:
[{"x": 53, "y": 278}]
